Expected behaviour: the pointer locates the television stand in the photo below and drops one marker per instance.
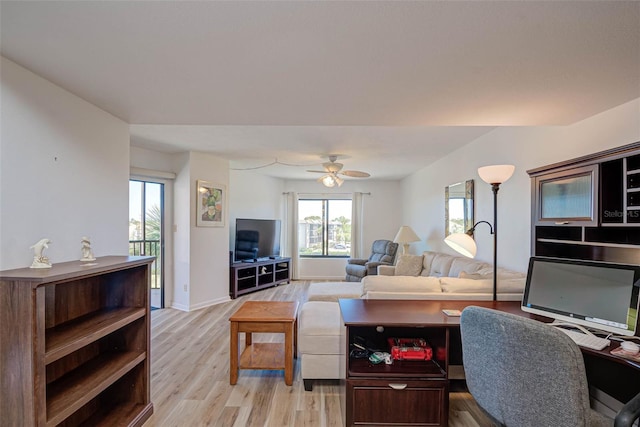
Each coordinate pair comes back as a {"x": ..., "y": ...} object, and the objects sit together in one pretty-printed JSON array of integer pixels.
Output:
[{"x": 246, "y": 277}]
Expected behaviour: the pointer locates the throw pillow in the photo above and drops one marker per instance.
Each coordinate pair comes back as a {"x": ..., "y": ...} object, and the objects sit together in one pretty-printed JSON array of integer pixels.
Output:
[{"x": 409, "y": 265}]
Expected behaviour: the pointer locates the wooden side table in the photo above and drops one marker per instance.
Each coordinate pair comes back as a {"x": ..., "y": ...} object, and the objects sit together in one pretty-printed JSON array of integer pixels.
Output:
[{"x": 261, "y": 317}]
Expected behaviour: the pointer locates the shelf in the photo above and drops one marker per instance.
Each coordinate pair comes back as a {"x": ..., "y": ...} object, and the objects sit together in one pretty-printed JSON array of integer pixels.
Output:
[
  {"x": 249, "y": 277},
  {"x": 399, "y": 369},
  {"x": 263, "y": 356},
  {"x": 573, "y": 242},
  {"x": 68, "y": 394},
  {"x": 71, "y": 336},
  {"x": 128, "y": 413}
]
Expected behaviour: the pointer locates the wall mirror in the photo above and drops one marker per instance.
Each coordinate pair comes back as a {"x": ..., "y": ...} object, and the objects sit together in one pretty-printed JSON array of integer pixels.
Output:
[{"x": 458, "y": 207}]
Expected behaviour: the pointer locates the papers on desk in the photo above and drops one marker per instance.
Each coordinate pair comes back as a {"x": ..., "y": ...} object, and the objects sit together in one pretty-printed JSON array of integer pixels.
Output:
[
  {"x": 621, "y": 352},
  {"x": 449, "y": 312}
]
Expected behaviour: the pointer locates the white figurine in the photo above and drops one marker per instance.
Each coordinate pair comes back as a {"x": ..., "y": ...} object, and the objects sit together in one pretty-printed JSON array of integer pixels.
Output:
[
  {"x": 39, "y": 260},
  {"x": 87, "y": 255}
]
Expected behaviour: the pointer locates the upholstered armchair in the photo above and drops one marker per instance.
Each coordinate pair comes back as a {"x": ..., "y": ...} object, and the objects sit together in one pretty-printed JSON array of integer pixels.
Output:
[{"x": 383, "y": 252}]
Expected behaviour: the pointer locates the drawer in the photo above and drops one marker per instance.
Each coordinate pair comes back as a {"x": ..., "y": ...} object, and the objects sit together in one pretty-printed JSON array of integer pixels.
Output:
[{"x": 397, "y": 402}]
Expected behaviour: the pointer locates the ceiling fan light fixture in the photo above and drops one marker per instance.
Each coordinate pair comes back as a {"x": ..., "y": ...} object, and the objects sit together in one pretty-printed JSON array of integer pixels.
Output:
[
  {"x": 328, "y": 181},
  {"x": 332, "y": 172}
]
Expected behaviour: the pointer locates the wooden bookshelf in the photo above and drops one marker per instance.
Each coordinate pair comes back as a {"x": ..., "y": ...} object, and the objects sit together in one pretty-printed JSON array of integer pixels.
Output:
[{"x": 76, "y": 339}]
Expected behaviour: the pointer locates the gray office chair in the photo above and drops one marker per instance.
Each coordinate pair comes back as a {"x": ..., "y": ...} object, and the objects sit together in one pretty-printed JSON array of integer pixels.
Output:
[{"x": 524, "y": 373}]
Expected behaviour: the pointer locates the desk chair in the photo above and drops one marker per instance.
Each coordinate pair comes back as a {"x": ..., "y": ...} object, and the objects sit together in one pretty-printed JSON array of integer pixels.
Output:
[{"x": 524, "y": 373}]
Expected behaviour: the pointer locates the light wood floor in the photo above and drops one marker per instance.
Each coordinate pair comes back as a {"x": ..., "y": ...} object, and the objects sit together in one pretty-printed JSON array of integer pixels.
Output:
[{"x": 190, "y": 376}]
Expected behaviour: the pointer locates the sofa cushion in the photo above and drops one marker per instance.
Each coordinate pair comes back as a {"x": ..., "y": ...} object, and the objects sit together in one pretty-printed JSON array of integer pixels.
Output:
[
  {"x": 426, "y": 262},
  {"x": 409, "y": 265},
  {"x": 466, "y": 265},
  {"x": 332, "y": 291},
  {"x": 456, "y": 284},
  {"x": 475, "y": 276},
  {"x": 441, "y": 265},
  {"x": 513, "y": 285},
  {"x": 459, "y": 285},
  {"x": 400, "y": 284}
]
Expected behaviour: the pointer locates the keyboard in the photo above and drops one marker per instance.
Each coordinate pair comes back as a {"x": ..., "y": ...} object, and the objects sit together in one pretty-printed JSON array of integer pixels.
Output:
[{"x": 587, "y": 340}]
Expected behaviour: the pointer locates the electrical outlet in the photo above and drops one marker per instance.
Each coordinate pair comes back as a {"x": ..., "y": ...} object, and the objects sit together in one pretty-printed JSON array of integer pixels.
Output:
[{"x": 185, "y": 287}]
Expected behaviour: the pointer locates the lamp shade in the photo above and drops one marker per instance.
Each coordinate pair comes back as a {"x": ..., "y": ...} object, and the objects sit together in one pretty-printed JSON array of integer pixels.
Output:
[
  {"x": 462, "y": 243},
  {"x": 406, "y": 235},
  {"x": 496, "y": 174}
]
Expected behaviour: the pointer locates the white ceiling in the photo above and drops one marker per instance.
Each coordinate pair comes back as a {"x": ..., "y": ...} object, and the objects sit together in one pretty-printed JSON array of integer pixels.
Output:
[{"x": 389, "y": 85}]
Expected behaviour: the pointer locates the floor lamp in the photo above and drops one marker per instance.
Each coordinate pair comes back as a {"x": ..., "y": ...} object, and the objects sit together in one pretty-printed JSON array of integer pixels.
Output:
[{"x": 463, "y": 242}]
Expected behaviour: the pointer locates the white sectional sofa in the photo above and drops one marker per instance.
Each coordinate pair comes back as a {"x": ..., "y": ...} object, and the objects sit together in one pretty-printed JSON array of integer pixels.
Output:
[{"x": 432, "y": 275}]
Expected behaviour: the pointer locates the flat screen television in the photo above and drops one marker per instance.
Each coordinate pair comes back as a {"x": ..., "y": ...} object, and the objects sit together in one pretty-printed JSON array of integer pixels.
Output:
[
  {"x": 600, "y": 295},
  {"x": 256, "y": 239}
]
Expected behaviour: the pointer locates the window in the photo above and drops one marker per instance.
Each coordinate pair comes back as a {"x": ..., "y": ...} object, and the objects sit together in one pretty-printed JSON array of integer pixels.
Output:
[{"x": 324, "y": 228}]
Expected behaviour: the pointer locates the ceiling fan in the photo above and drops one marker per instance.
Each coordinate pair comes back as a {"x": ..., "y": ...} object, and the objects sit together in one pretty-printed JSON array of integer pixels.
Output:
[{"x": 333, "y": 169}]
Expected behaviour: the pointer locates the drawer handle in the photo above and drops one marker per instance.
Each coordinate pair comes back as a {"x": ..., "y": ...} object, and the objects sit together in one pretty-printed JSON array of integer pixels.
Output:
[{"x": 398, "y": 386}]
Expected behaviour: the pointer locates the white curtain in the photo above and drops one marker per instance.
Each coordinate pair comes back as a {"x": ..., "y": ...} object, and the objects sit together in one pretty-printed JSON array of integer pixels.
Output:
[
  {"x": 291, "y": 233},
  {"x": 356, "y": 226}
]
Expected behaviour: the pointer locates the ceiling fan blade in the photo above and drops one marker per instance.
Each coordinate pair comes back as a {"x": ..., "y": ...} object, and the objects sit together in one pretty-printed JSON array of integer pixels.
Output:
[
  {"x": 355, "y": 174},
  {"x": 317, "y": 171}
]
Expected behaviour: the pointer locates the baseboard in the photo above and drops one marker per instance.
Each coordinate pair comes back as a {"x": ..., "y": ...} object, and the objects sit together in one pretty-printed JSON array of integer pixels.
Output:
[{"x": 199, "y": 306}]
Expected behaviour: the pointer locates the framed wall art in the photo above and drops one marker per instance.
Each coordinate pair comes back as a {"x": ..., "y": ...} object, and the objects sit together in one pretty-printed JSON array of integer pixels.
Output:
[{"x": 210, "y": 204}]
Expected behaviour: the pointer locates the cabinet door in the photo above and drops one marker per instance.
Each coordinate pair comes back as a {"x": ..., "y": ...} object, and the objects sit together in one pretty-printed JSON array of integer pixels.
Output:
[
  {"x": 567, "y": 196},
  {"x": 397, "y": 402}
]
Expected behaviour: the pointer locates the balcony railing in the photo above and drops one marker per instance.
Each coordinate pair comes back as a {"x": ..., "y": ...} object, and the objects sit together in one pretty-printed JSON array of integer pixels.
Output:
[{"x": 150, "y": 248}]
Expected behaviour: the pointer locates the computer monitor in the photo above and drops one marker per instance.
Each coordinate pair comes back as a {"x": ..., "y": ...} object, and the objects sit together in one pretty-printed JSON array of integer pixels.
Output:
[{"x": 595, "y": 294}]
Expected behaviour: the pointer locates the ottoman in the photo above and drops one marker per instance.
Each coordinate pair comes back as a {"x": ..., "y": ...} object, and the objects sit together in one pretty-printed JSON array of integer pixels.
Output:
[
  {"x": 332, "y": 291},
  {"x": 321, "y": 342}
]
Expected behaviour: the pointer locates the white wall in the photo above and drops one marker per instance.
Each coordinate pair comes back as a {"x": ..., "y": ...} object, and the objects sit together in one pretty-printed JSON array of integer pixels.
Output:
[
  {"x": 209, "y": 246},
  {"x": 524, "y": 147},
  {"x": 253, "y": 195},
  {"x": 64, "y": 171}
]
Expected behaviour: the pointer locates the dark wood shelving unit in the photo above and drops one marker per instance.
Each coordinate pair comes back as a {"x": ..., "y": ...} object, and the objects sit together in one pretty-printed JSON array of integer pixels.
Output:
[
  {"x": 246, "y": 277},
  {"x": 612, "y": 232},
  {"x": 78, "y": 335}
]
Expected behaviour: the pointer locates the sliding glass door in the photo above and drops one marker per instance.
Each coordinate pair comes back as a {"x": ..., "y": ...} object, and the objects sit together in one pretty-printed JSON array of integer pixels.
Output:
[{"x": 146, "y": 231}]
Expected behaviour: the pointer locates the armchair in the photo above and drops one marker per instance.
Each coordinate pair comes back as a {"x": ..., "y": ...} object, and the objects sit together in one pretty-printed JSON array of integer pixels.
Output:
[
  {"x": 383, "y": 252},
  {"x": 522, "y": 372}
]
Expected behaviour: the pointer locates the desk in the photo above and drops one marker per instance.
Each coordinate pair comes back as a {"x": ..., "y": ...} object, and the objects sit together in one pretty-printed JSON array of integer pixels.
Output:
[{"x": 614, "y": 375}]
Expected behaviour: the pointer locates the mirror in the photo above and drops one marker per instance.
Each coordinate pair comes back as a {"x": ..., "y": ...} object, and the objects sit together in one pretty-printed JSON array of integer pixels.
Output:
[{"x": 458, "y": 207}]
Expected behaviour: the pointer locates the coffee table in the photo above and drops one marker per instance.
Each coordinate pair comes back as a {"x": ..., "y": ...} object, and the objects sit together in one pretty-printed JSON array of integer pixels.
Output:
[{"x": 264, "y": 317}]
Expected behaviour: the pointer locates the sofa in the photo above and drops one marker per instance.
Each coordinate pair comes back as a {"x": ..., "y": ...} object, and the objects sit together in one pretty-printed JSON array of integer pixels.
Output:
[{"x": 429, "y": 276}]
